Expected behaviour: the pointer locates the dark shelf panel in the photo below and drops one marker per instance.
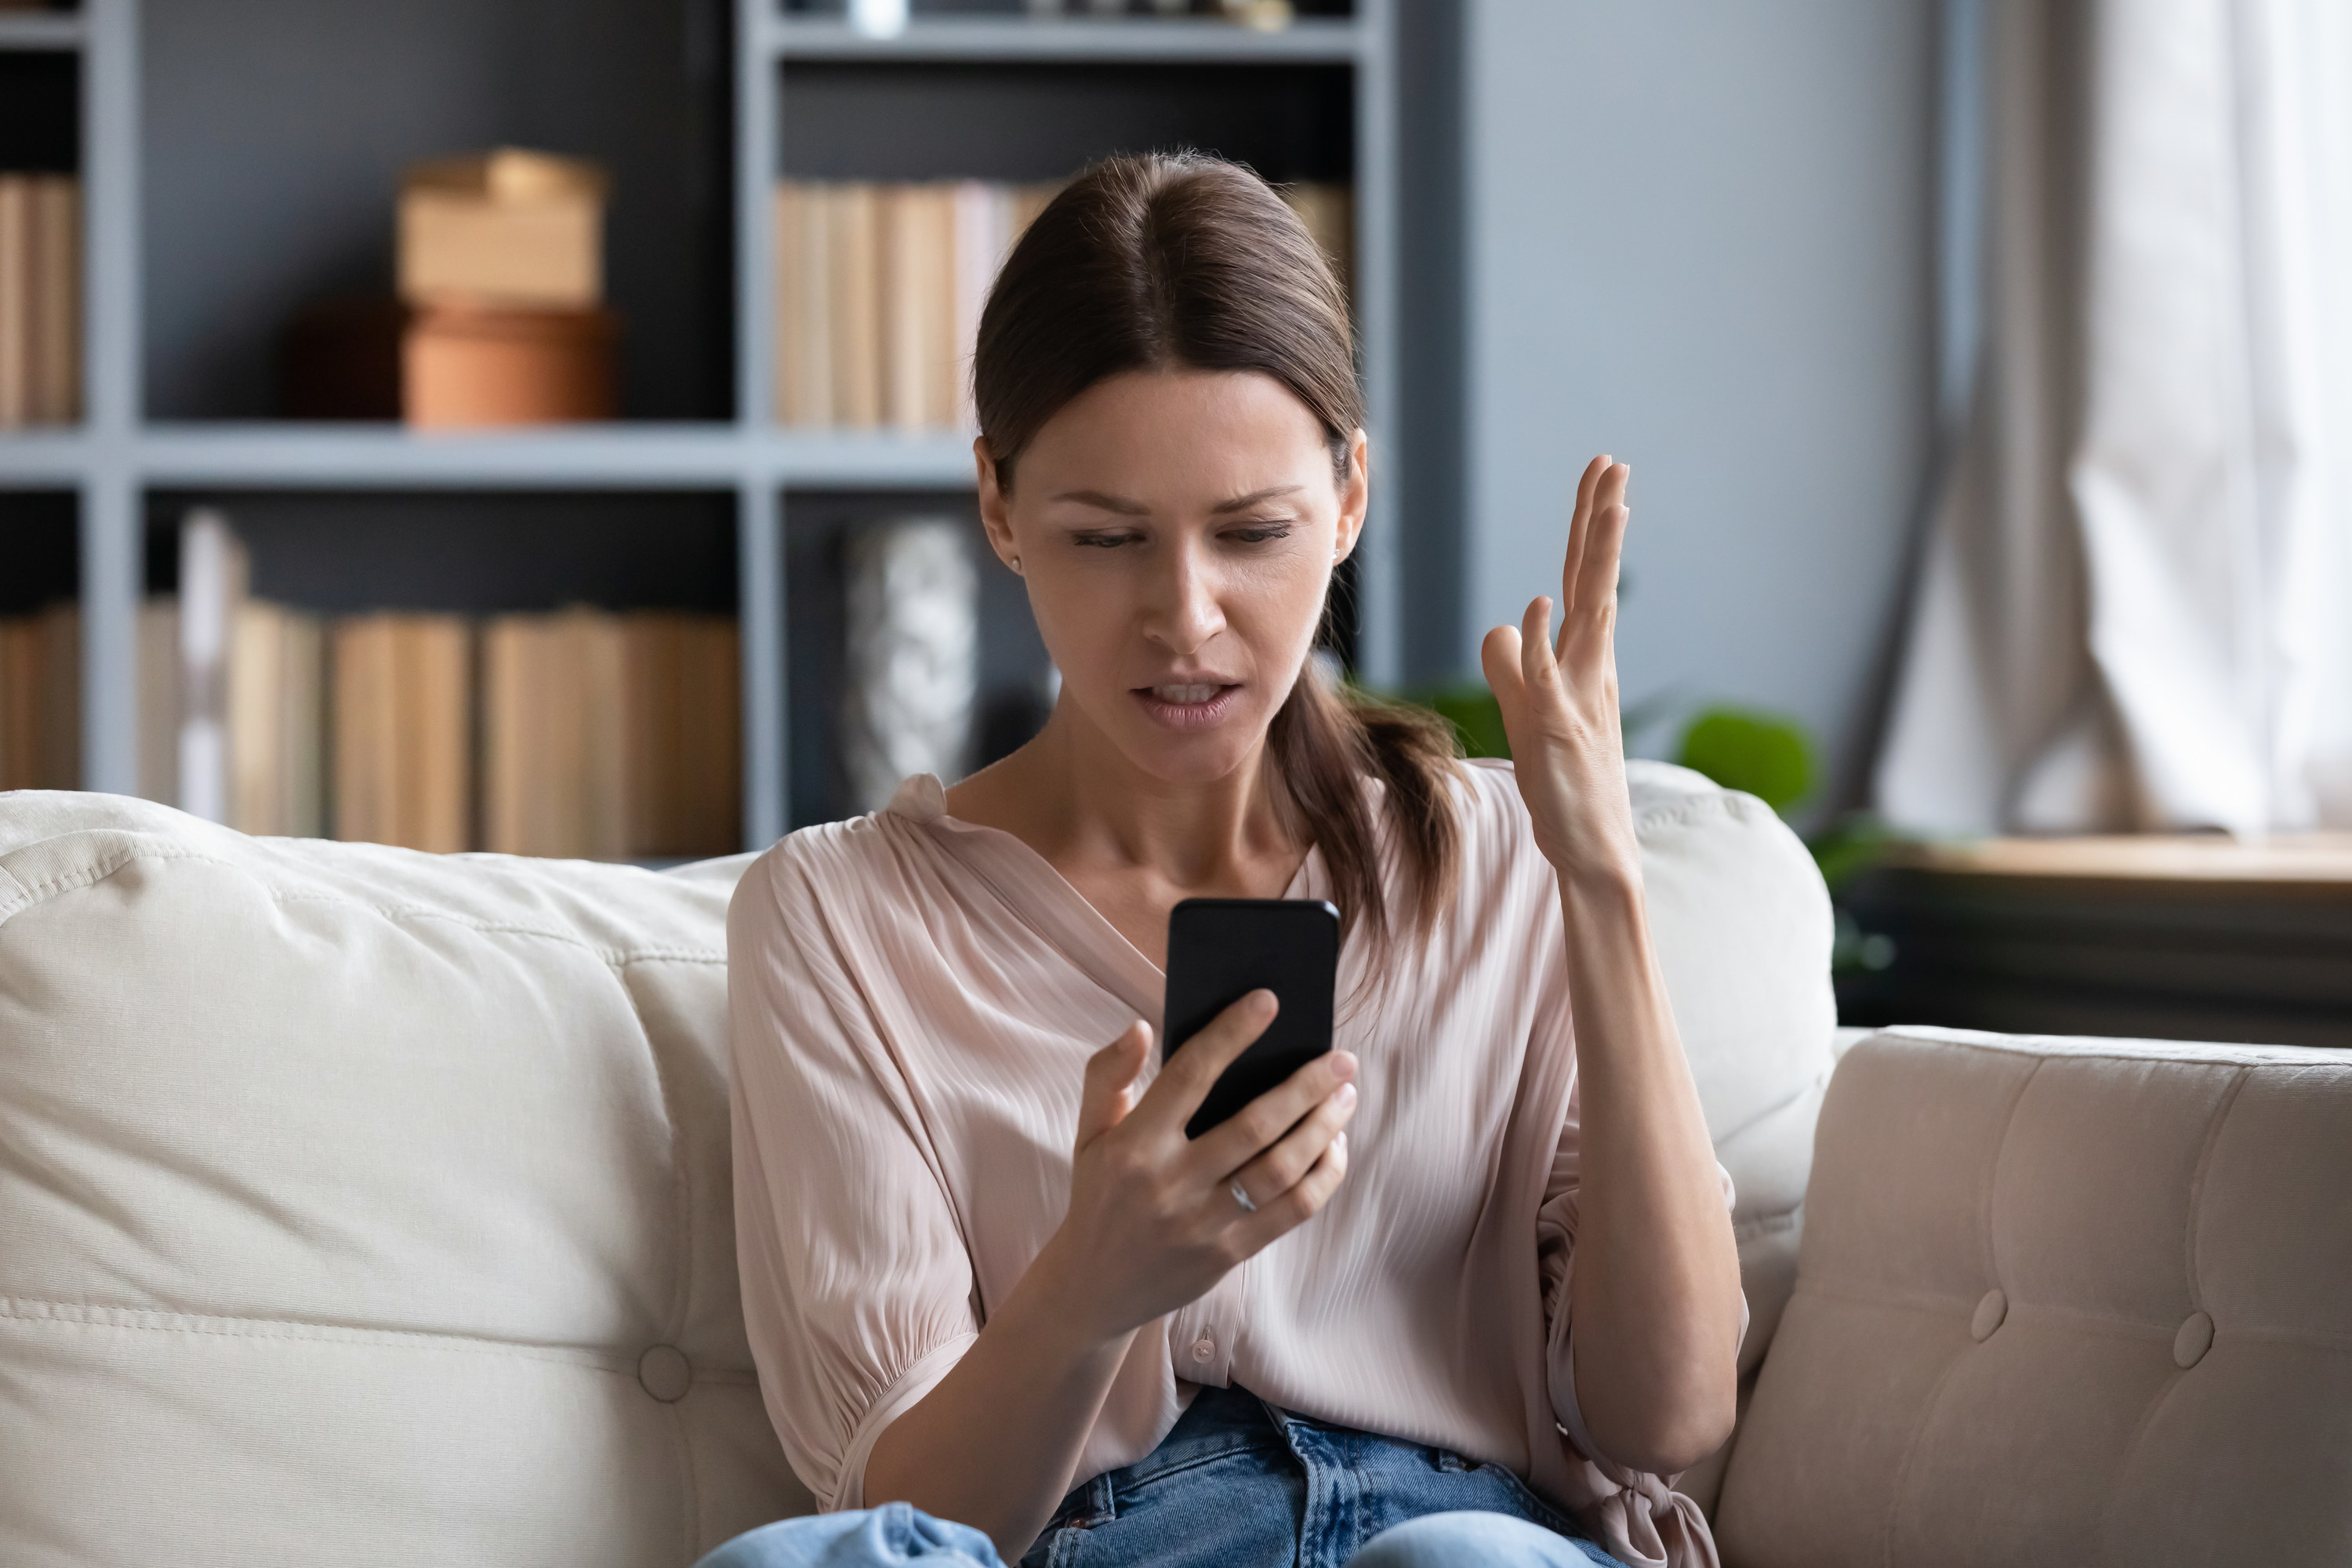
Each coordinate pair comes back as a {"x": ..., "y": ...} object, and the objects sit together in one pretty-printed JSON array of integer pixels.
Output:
[
  {"x": 40, "y": 555},
  {"x": 40, "y": 109},
  {"x": 1028, "y": 120},
  {"x": 471, "y": 553}
]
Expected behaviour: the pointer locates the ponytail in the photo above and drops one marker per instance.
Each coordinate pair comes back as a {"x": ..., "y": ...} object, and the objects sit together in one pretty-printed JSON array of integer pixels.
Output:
[{"x": 1324, "y": 747}]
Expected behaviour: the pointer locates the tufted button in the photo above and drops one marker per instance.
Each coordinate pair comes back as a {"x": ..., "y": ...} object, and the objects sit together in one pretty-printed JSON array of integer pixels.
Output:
[
  {"x": 1989, "y": 1312},
  {"x": 1203, "y": 1348},
  {"x": 666, "y": 1373},
  {"x": 2195, "y": 1337}
]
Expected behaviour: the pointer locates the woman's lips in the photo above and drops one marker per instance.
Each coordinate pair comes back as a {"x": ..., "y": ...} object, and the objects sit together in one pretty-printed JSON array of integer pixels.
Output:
[{"x": 1190, "y": 705}]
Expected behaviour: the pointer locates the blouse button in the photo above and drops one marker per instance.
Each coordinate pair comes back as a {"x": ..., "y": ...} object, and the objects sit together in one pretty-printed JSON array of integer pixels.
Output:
[{"x": 1203, "y": 1348}]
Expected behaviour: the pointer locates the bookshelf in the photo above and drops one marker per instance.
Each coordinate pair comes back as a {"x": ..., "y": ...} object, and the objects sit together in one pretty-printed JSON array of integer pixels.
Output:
[{"x": 171, "y": 416}]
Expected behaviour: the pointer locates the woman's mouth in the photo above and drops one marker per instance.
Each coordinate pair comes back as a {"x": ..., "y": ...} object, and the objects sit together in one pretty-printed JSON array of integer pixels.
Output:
[{"x": 1189, "y": 705}]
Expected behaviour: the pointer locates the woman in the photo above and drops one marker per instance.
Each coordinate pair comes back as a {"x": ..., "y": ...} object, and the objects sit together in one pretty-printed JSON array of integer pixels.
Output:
[{"x": 987, "y": 1278}]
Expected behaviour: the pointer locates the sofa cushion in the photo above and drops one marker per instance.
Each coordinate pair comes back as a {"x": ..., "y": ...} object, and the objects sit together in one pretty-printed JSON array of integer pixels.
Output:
[
  {"x": 1743, "y": 928},
  {"x": 363, "y": 1207},
  {"x": 2063, "y": 1301}
]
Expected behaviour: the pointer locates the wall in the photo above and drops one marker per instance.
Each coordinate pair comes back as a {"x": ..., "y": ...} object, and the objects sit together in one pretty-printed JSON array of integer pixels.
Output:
[{"x": 1699, "y": 238}]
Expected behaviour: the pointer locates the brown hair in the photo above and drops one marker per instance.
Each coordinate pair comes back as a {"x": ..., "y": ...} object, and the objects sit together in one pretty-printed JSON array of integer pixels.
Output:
[{"x": 1183, "y": 260}]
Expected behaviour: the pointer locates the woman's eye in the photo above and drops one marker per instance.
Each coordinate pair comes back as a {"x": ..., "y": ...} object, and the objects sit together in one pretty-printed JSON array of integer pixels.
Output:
[
  {"x": 1101, "y": 541},
  {"x": 1260, "y": 532}
]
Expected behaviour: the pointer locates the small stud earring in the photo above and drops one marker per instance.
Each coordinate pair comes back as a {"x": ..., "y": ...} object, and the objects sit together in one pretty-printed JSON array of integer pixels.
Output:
[{"x": 1016, "y": 566}]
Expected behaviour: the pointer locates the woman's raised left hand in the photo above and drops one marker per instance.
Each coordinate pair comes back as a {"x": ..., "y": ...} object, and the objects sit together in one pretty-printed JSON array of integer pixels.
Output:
[{"x": 1559, "y": 694}]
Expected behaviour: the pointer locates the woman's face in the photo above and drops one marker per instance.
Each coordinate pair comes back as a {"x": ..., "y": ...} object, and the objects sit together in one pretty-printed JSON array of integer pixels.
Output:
[{"x": 1177, "y": 530}]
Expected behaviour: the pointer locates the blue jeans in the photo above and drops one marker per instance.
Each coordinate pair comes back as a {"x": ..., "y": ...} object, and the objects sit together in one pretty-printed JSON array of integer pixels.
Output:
[{"x": 1237, "y": 1484}]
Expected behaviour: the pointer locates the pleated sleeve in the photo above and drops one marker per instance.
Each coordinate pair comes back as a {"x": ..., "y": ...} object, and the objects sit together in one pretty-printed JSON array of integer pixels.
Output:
[{"x": 857, "y": 1281}]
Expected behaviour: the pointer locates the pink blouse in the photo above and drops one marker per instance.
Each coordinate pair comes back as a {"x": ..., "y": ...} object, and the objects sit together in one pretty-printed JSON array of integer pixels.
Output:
[{"x": 912, "y": 1001}]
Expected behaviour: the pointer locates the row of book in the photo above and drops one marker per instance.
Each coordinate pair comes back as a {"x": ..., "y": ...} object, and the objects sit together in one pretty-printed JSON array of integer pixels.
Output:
[
  {"x": 40, "y": 299},
  {"x": 880, "y": 289},
  {"x": 40, "y": 699},
  {"x": 577, "y": 732}
]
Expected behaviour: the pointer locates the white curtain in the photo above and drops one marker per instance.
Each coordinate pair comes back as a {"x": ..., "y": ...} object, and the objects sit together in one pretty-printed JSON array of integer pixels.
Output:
[{"x": 2135, "y": 607}]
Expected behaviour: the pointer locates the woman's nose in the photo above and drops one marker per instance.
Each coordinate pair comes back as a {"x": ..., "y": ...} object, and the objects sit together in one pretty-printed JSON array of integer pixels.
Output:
[{"x": 1184, "y": 613}]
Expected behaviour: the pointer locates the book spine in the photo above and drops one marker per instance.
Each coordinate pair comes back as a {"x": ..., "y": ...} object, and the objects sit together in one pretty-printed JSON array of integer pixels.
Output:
[
  {"x": 20, "y": 687},
  {"x": 55, "y": 332},
  {"x": 302, "y": 700},
  {"x": 942, "y": 362},
  {"x": 60, "y": 697},
  {"x": 856, "y": 304},
  {"x": 212, "y": 590},
  {"x": 159, "y": 700},
  {"x": 974, "y": 203},
  {"x": 901, "y": 237},
  {"x": 15, "y": 301},
  {"x": 434, "y": 664},
  {"x": 711, "y": 735},
  {"x": 360, "y": 723},
  {"x": 508, "y": 745},
  {"x": 254, "y": 680}
]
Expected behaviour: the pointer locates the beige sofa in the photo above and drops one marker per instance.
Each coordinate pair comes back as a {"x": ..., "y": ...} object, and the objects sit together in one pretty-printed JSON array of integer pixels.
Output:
[{"x": 363, "y": 1208}]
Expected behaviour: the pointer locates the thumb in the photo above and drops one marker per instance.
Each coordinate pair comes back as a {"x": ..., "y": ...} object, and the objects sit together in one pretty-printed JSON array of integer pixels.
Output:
[
  {"x": 1502, "y": 657},
  {"x": 1111, "y": 1074}
]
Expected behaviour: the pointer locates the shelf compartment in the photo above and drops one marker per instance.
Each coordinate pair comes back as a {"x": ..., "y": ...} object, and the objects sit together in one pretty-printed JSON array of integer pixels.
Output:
[
  {"x": 41, "y": 229},
  {"x": 332, "y": 102},
  {"x": 543, "y": 673},
  {"x": 1012, "y": 665}
]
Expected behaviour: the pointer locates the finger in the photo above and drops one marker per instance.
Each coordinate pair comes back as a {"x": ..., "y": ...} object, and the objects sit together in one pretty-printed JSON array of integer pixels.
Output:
[
  {"x": 1294, "y": 1208},
  {"x": 1604, "y": 538},
  {"x": 1225, "y": 1148},
  {"x": 1499, "y": 656},
  {"x": 1539, "y": 664},
  {"x": 1190, "y": 1072},
  {"x": 1591, "y": 623},
  {"x": 1111, "y": 1075},
  {"x": 1586, "y": 485},
  {"x": 1285, "y": 1165}
]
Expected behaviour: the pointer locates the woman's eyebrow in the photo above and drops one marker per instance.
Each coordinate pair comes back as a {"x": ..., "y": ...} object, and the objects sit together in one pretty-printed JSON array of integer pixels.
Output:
[
  {"x": 1243, "y": 503},
  {"x": 1118, "y": 504}
]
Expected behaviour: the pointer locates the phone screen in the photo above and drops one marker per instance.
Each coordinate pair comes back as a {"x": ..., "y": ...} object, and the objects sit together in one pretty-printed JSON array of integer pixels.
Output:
[{"x": 1221, "y": 950}]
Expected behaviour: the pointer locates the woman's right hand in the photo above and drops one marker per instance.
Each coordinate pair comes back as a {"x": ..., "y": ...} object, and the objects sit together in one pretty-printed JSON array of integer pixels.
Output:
[{"x": 1153, "y": 1220}]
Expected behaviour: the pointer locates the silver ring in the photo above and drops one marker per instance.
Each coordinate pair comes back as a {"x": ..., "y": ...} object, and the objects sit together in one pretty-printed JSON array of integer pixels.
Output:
[{"x": 1241, "y": 1197}]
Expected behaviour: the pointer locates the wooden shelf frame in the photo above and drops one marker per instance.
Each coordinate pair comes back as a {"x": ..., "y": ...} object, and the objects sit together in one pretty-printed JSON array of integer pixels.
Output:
[
  {"x": 1336, "y": 40},
  {"x": 117, "y": 456},
  {"x": 48, "y": 32}
]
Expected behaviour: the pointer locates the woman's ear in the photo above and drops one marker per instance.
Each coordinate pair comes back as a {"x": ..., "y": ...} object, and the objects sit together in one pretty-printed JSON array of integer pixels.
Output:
[
  {"x": 1355, "y": 497},
  {"x": 994, "y": 515}
]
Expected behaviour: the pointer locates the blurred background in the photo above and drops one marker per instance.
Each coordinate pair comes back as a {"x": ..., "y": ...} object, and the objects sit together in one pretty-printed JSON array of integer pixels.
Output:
[{"x": 541, "y": 425}]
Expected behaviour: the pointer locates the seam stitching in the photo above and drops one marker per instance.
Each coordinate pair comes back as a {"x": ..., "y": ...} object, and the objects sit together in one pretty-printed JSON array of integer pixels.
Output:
[
  {"x": 99, "y": 871},
  {"x": 2194, "y": 1229},
  {"x": 147, "y": 1319}
]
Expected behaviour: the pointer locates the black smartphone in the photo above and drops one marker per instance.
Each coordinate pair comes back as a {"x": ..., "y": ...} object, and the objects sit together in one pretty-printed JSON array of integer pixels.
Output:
[{"x": 1221, "y": 950}]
